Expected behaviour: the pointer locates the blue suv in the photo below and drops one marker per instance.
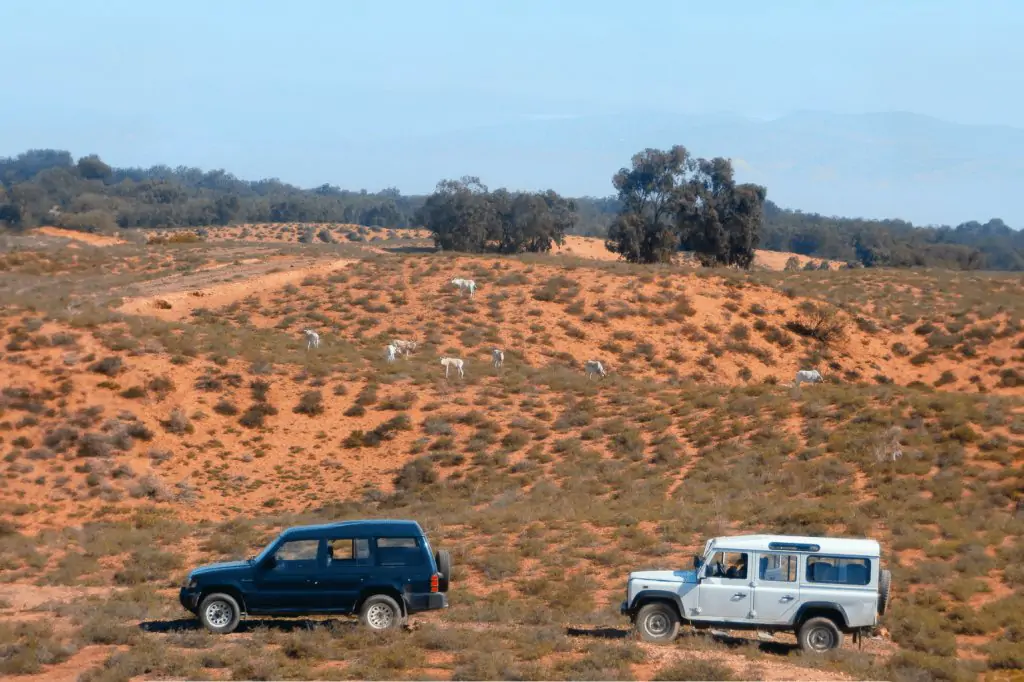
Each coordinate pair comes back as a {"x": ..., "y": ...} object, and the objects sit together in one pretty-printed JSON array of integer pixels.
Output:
[{"x": 382, "y": 570}]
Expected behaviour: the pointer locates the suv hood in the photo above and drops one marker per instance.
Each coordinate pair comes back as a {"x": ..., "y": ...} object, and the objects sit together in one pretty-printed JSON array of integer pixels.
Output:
[
  {"x": 220, "y": 567},
  {"x": 665, "y": 576}
]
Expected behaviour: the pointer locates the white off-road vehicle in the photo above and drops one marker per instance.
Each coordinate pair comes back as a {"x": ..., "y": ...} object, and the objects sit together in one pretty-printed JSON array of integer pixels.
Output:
[{"x": 818, "y": 588}]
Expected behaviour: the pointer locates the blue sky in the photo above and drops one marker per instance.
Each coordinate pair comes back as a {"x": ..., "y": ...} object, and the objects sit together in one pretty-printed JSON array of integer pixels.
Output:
[{"x": 277, "y": 88}]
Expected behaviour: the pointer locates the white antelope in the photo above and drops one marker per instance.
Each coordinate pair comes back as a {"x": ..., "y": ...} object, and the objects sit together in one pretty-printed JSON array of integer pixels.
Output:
[
  {"x": 403, "y": 346},
  {"x": 811, "y": 376},
  {"x": 389, "y": 352},
  {"x": 452, "y": 362},
  {"x": 497, "y": 357},
  {"x": 594, "y": 367},
  {"x": 312, "y": 339},
  {"x": 464, "y": 284}
]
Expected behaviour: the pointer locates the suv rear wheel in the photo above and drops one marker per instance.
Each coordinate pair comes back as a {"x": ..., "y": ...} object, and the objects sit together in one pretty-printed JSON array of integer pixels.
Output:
[
  {"x": 381, "y": 612},
  {"x": 657, "y": 622},
  {"x": 819, "y": 635},
  {"x": 219, "y": 613}
]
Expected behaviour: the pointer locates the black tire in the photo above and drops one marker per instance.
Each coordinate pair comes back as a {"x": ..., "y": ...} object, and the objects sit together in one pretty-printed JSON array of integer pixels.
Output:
[
  {"x": 219, "y": 613},
  {"x": 884, "y": 588},
  {"x": 381, "y": 612},
  {"x": 657, "y": 622},
  {"x": 818, "y": 635},
  {"x": 443, "y": 558}
]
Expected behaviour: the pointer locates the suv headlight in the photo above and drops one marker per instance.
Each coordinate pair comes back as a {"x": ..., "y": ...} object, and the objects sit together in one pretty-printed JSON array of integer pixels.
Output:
[{"x": 189, "y": 583}]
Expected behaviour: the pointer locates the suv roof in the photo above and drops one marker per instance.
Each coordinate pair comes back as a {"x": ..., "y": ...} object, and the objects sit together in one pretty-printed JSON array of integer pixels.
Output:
[
  {"x": 854, "y": 546},
  {"x": 378, "y": 527}
]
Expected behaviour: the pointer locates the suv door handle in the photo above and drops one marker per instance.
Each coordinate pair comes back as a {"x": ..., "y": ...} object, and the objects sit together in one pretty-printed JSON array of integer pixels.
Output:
[
  {"x": 739, "y": 594},
  {"x": 788, "y": 597}
]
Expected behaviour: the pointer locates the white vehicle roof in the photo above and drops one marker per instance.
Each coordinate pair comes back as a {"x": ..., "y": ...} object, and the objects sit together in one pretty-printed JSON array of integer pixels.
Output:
[{"x": 846, "y": 546}]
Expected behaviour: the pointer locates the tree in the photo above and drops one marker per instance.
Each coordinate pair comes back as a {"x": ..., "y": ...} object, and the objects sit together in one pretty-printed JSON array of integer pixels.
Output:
[
  {"x": 719, "y": 220},
  {"x": 532, "y": 222},
  {"x": 10, "y": 214},
  {"x": 465, "y": 216},
  {"x": 645, "y": 229},
  {"x": 460, "y": 215},
  {"x": 92, "y": 168},
  {"x": 670, "y": 199}
]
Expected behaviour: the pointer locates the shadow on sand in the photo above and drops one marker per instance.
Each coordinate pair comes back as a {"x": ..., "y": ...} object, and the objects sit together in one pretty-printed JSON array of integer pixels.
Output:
[
  {"x": 250, "y": 624},
  {"x": 731, "y": 641}
]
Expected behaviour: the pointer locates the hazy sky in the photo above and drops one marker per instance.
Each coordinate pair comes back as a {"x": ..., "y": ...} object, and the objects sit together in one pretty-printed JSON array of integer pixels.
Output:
[{"x": 258, "y": 86}]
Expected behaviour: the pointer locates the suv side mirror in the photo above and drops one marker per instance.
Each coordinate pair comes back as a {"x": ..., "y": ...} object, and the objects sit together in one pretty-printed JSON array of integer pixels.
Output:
[
  {"x": 269, "y": 562},
  {"x": 696, "y": 562}
]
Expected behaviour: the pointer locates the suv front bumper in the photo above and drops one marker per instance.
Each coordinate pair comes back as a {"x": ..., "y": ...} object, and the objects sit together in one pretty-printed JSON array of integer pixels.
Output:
[{"x": 189, "y": 599}]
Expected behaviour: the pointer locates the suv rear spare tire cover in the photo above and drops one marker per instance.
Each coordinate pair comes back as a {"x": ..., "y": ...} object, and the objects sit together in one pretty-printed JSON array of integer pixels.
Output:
[
  {"x": 884, "y": 587},
  {"x": 443, "y": 558}
]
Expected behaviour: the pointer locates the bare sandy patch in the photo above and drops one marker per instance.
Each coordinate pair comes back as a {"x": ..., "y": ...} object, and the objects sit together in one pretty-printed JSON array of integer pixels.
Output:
[
  {"x": 93, "y": 239},
  {"x": 177, "y": 297}
]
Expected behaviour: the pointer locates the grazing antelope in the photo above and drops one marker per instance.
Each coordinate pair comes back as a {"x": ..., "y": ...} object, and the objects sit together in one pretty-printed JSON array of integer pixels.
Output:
[
  {"x": 811, "y": 376},
  {"x": 464, "y": 284},
  {"x": 452, "y": 362}
]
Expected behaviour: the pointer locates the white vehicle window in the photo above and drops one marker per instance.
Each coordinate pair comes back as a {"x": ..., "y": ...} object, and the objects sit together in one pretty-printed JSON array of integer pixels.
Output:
[
  {"x": 780, "y": 568},
  {"x": 731, "y": 565},
  {"x": 838, "y": 570}
]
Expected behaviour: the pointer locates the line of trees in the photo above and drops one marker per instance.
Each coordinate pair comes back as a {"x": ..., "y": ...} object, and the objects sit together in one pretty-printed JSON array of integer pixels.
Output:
[
  {"x": 48, "y": 187},
  {"x": 894, "y": 243},
  {"x": 665, "y": 201}
]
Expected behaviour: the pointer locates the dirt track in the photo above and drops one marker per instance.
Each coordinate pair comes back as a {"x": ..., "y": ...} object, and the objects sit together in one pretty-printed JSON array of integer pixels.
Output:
[{"x": 175, "y": 297}]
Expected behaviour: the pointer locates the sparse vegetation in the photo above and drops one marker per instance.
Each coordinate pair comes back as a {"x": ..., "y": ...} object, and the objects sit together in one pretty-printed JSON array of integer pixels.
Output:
[{"x": 547, "y": 485}]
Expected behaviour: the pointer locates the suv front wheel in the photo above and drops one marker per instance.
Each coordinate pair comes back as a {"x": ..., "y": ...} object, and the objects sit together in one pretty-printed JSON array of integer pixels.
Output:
[
  {"x": 657, "y": 622},
  {"x": 819, "y": 635},
  {"x": 381, "y": 612},
  {"x": 219, "y": 613}
]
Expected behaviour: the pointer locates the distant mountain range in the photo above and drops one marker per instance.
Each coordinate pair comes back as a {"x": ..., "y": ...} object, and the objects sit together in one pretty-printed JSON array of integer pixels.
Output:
[{"x": 887, "y": 165}]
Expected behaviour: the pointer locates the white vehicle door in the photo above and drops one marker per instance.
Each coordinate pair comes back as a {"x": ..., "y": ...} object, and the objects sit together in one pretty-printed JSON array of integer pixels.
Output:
[
  {"x": 776, "y": 590},
  {"x": 843, "y": 580},
  {"x": 725, "y": 592}
]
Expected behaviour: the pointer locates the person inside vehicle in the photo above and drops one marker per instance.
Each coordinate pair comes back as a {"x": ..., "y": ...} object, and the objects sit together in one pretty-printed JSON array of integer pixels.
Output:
[{"x": 738, "y": 571}]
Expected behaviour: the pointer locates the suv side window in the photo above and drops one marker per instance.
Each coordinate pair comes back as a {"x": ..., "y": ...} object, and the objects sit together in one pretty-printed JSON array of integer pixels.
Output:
[
  {"x": 347, "y": 551},
  {"x": 778, "y": 568},
  {"x": 295, "y": 552},
  {"x": 838, "y": 570},
  {"x": 399, "y": 552},
  {"x": 731, "y": 565}
]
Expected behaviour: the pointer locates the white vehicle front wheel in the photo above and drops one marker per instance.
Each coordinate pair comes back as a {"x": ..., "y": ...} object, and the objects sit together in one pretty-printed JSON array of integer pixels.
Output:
[{"x": 657, "y": 622}]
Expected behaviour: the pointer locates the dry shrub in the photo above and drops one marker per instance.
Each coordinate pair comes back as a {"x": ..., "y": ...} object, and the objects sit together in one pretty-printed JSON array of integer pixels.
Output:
[
  {"x": 109, "y": 366},
  {"x": 821, "y": 323},
  {"x": 311, "y": 403}
]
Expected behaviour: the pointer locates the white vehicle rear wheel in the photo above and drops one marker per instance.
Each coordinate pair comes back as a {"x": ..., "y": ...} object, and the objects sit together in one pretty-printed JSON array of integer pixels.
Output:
[{"x": 818, "y": 635}]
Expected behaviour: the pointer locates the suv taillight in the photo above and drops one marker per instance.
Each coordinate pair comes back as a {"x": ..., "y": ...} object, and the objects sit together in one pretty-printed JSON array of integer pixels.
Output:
[{"x": 433, "y": 583}]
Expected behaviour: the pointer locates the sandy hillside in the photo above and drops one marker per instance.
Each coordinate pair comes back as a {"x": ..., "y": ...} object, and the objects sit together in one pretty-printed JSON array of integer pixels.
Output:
[
  {"x": 143, "y": 439},
  {"x": 592, "y": 247}
]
